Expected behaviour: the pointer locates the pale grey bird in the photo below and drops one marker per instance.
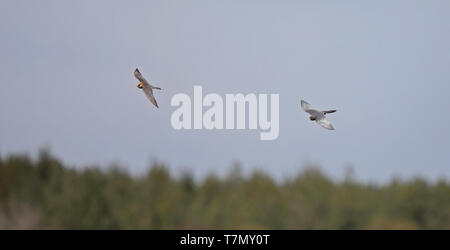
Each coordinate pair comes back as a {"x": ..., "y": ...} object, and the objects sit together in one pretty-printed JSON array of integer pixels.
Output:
[
  {"x": 317, "y": 115},
  {"x": 146, "y": 87}
]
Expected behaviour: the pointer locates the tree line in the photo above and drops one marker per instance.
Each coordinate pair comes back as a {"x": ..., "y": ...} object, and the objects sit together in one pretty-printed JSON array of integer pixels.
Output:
[{"x": 45, "y": 194}]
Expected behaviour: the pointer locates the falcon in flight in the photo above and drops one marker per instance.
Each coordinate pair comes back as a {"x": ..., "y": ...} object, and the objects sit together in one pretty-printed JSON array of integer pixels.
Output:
[
  {"x": 146, "y": 87},
  {"x": 317, "y": 115}
]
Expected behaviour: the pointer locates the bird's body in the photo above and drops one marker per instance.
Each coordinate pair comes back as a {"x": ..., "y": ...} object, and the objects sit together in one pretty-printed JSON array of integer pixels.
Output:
[
  {"x": 317, "y": 115},
  {"x": 146, "y": 87}
]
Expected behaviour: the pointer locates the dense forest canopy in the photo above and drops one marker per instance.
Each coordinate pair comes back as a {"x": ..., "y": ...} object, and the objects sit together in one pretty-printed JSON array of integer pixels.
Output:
[{"x": 45, "y": 194}]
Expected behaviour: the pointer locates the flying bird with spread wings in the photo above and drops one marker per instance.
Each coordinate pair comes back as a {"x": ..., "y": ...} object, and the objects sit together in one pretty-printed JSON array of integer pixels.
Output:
[
  {"x": 146, "y": 87},
  {"x": 317, "y": 115}
]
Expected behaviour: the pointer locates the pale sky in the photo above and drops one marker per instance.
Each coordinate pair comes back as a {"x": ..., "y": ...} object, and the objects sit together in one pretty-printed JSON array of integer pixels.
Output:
[{"x": 66, "y": 82}]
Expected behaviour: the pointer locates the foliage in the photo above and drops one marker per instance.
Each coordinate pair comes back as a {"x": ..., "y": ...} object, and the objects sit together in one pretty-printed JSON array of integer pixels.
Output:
[{"x": 44, "y": 194}]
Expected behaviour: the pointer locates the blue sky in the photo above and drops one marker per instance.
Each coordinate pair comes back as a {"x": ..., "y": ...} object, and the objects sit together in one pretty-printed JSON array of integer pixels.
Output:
[{"x": 66, "y": 82}]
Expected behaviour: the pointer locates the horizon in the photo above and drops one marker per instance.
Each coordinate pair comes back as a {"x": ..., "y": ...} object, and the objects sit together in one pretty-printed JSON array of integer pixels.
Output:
[{"x": 234, "y": 168}]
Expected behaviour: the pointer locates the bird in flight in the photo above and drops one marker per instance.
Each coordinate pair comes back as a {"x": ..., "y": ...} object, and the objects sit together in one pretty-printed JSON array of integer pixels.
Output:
[
  {"x": 146, "y": 87},
  {"x": 317, "y": 115}
]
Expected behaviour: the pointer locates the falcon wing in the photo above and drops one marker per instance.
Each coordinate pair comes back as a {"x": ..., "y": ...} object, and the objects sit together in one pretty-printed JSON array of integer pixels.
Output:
[
  {"x": 139, "y": 76},
  {"x": 149, "y": 93},
  {"x": 325, "y": 123},
  {"x": 306, "y": 105},
  {"x": 308, "y": 108}
]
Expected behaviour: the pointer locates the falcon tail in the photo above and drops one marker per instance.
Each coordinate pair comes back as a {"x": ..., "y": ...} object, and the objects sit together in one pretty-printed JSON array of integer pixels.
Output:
[{"x": 330, "y": 111}]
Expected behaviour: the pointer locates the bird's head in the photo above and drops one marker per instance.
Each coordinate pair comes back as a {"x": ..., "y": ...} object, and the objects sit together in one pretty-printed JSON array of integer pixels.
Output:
[
  {"x": 136, "y": 70},
  {"x": 312, "y": 118},
  {"x": 140, "y": 85}
]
